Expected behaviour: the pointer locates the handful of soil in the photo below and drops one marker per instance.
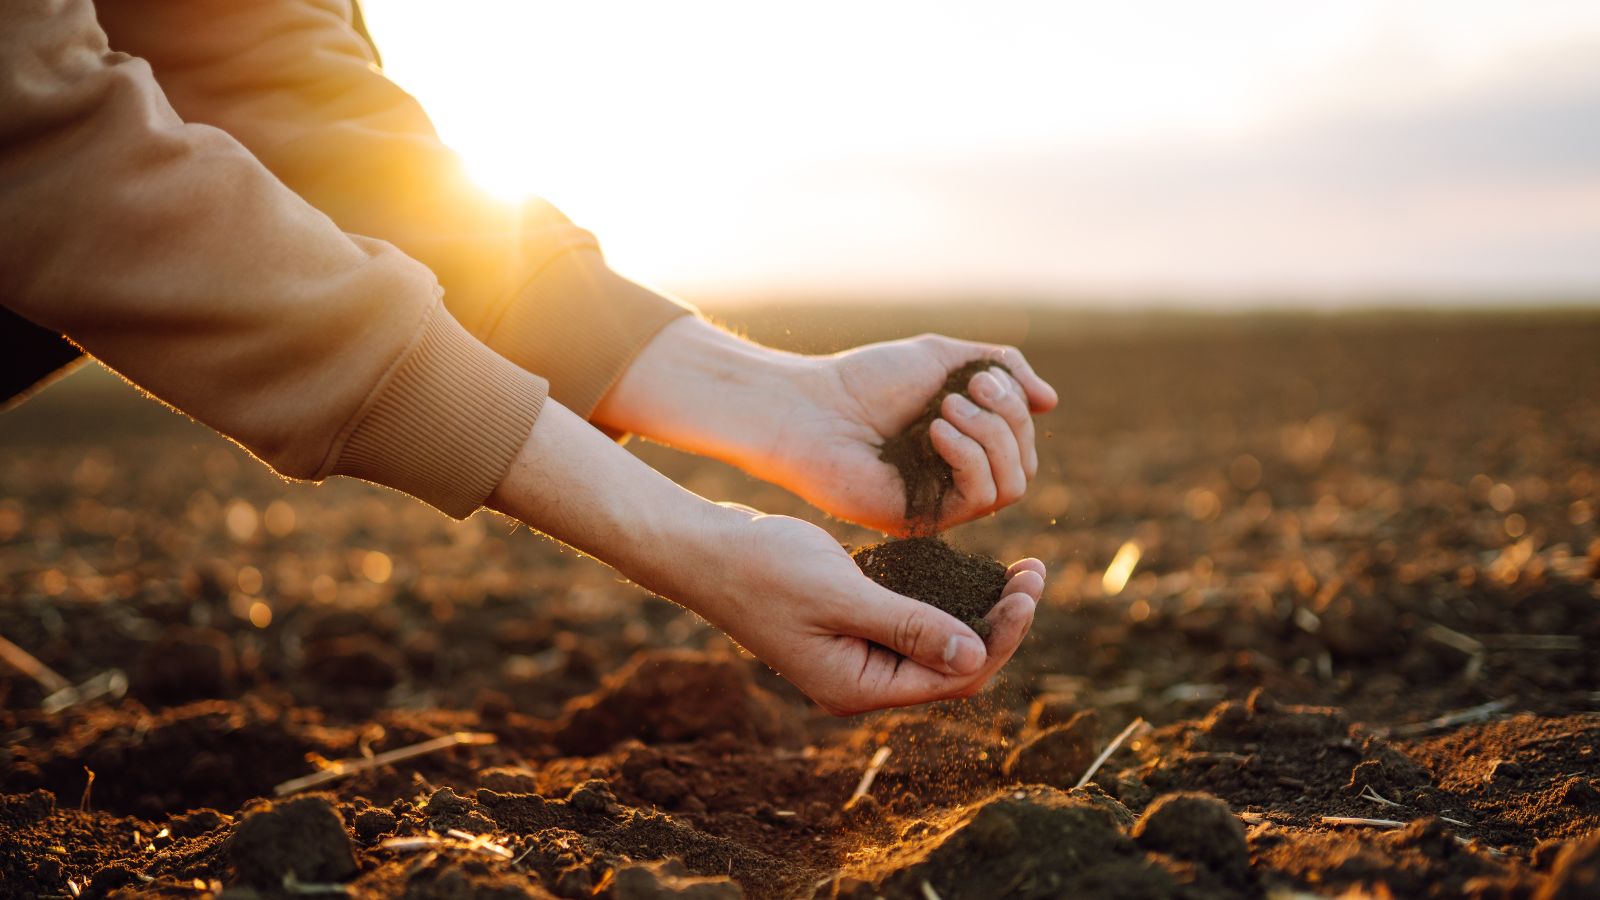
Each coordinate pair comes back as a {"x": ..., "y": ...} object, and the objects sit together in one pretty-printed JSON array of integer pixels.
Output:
[
  {"x": 925, "y": 474},
  {"x": 928, "y": 569}
]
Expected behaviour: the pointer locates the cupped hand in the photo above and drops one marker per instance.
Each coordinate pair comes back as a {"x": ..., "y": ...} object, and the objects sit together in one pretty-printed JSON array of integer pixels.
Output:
[
  {"x": 793, "y": 597},
  {"x": 827, "y": 451}
]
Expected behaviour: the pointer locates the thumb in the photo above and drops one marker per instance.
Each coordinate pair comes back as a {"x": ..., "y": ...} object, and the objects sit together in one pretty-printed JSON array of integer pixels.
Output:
[{"x": 924, "y": 634}]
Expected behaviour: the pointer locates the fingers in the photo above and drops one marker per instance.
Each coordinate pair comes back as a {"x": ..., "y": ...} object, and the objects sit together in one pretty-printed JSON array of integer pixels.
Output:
[
  {"x": 922, "y": 633},
  {"x": 1002, "y": 394},
  {"x": 1029, "y": 564},
  {"x": 969, "y": 466},
  {"x": 994, "y": 434},
  {"x": 1041, "y": 396},
  {"x": 1008, "y": 625},
  {"x": 1026, "y": 581},
  {"x": 886, "y": 681}
]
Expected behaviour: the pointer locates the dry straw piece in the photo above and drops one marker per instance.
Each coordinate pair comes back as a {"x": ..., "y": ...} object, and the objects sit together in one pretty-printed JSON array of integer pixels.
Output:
[
  {"x": 346, "y": 767},
  {"x": 867, "y": 777},
  {"x": 1138, "y": 725}
]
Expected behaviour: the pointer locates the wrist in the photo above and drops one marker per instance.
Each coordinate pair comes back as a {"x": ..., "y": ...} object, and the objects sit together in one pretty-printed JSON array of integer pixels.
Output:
[
  {"x": 572, "y": 483},
  {"x": 702, "y": 389}
]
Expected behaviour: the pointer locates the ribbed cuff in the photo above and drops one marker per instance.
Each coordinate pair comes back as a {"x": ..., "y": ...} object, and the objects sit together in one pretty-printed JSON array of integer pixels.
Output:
[
  {"x": 579, "y": 324},
  {"x": 446, "y": 422}
]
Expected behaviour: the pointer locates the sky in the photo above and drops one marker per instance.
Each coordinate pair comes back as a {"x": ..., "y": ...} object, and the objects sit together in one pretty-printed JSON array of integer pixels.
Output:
[{"x": 1216, "y": 154}]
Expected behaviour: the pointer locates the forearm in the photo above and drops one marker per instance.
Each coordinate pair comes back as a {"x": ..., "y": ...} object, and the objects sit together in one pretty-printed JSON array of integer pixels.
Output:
[
  {"x": 573, "y": 483},
  {"x": 701, "y": 389}
]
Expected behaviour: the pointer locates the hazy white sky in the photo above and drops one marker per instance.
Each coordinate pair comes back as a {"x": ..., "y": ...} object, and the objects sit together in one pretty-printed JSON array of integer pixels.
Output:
[{"x": 1213, "y": 152}]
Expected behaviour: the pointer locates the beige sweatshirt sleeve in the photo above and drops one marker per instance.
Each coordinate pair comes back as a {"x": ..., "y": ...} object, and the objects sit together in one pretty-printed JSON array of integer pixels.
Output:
[
  {"x": 297, "y": 85},
  {"x": 170, "y": 254}
]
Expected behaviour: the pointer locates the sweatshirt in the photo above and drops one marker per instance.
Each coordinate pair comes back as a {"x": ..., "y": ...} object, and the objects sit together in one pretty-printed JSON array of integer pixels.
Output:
[{"x": 226, "y": 202}]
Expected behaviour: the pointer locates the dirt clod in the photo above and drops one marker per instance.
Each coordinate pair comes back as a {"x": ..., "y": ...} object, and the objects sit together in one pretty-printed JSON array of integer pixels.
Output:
[
  {"x": 1576, "y": 873},
  {"x": 671, "y": 696},
  {"x": 668, "y": 880},
  {"x": 1199, "y": 828},
  {"x": 928, "y": 569},
  {"x": 304, "y": 837},
  {"x": 923, "y": 472}
]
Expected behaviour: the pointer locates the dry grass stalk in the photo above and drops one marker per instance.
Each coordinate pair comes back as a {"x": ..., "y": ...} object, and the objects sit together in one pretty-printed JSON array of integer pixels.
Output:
[
  {"x": 1450, "y": 637},
  {"x": 1451, "y": 719},
  {"x": 928, "y": 893},
  {"x": 1138, "y": 725},
  {"x": 410, "y": 844},
  {"x": 1367, "y": 793},
  {"x": 29, "y": 665},
  {"x": 1362, "y": 823},
  {"x": 1188, "y": 692},
  {"x": 346, "y": 767},
  {"x": 871, "y": 774},
  {"x": 83, "y": 803},
  {"x": 110, "y": 683},
  {"x": 481, "y": 842},
  {"x": 1547, "y": 642}
]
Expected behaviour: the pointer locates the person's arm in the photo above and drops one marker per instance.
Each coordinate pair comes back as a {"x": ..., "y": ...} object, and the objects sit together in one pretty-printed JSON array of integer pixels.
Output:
[
  {"x": 295, "y": 83},
  {"x": 167, "y": 252},
  {"x": 784, "y": 589},
  {"x": 814, "y": 424}
]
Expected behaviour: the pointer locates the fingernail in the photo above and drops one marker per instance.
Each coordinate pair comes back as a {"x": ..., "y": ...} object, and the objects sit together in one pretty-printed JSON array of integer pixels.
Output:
[
  {"x": 963, "y": 655},
  {"x": 987, "y": 387},
  {"x": 964, "y": 407}
]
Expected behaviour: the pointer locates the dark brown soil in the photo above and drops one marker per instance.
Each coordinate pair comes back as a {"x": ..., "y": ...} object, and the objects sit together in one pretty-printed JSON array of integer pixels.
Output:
[
  {"x": 964, "y": 585},
  {"x": 923, "y": 472},
  {"x": 1347, "y": 528}
]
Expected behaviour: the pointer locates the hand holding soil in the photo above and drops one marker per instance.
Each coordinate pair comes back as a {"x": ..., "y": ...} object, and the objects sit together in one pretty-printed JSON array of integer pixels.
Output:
[
  {"x": 817, "y": 425},
  {"x": 781, "y": 587},
  {"x": 974, "y": 437},
  {"x": 794, "y": 598}
]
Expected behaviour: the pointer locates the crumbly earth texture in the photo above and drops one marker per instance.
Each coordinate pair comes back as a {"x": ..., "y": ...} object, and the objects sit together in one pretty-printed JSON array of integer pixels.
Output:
[
  {"x": 964, "y": 585},
  {"x": 923, "y": 472},
  {"x": 1368, "y": 576}
]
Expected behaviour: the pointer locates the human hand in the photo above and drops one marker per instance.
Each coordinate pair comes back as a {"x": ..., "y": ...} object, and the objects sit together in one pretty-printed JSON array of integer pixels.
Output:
[
  {"x": 814, "y": 424},
  {"x": 858, "y": 399},
  {"x": 788, "y": 593},
  {"x": 781, "y": 587}
]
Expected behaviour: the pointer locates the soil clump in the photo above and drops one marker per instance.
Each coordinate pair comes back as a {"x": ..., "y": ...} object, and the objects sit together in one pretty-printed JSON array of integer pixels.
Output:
[{"x": 964, "y": 585}]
